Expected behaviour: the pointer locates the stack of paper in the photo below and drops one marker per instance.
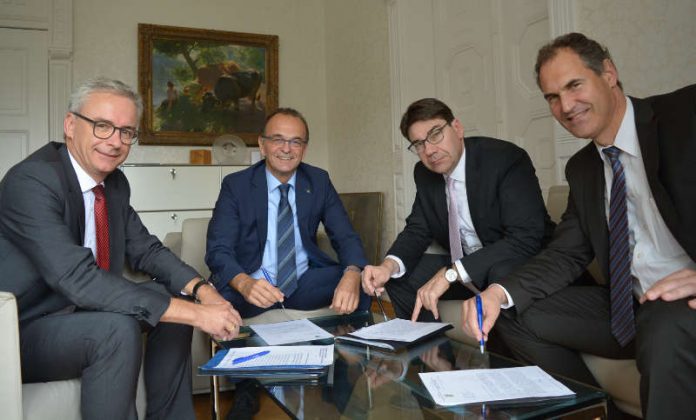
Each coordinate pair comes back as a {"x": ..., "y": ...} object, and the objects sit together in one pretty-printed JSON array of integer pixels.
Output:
[{"x": 271, "y": 360}]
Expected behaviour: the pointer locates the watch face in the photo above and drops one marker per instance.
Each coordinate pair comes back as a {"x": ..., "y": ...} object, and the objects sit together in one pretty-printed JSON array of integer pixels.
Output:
[{"x": 451, "y": 275}]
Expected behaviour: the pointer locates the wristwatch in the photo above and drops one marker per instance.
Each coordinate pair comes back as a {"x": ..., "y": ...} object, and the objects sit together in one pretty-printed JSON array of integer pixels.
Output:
[
  {"x": 451, "y": 275},
  {"x": 201, "y": 282}
]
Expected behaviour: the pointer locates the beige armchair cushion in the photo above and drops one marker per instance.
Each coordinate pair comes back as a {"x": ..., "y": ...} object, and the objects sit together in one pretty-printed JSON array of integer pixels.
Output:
[{"x": 43, "y": 400}]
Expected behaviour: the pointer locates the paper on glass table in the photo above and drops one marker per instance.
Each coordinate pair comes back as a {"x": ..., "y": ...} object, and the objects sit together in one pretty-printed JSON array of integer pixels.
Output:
[
  {"x": 288, "y": 332},
  {"x": 398, "y": 330},
  {"x": 488, "y": 385},
  {"x": 277, "y": 357}
]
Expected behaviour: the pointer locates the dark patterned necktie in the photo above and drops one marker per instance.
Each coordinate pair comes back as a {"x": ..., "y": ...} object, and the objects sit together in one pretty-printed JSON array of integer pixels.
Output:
[
  {"x": 101, "y": 225},
  {"x": 285, "y": 239},
  {"x": 621, "y": 280},
  {"x": 455, "y": 238}
]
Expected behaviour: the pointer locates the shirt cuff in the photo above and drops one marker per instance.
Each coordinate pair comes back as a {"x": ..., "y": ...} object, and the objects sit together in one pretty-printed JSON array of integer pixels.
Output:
[
  {"x": 402, "y": 267},
  {"x": 462, "y": 272},
  {"x": 510, "y": 303}
]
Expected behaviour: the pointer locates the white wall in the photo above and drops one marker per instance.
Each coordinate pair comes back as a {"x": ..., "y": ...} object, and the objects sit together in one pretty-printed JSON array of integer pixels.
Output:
[
  {"x": 106, "y": 43},
  {"x": 653, "y": 42},
  {"x": 358, "y": 101}
]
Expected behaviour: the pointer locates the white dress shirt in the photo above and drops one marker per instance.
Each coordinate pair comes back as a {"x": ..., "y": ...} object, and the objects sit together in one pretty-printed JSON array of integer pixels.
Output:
[
  {"x": 86, "y": 185},
  {"x": 655, "y": 252}
]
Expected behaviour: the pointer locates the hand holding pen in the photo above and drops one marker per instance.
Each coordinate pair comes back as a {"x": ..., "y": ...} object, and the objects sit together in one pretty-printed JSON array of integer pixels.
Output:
[
  {"x": 273, "y": 283},
  {"x": 480, "y": 313},
  {"x": 259, "y": 293}
]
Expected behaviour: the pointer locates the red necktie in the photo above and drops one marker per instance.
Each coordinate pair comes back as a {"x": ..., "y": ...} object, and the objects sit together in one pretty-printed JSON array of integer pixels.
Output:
[{"x": 101, "y": 224}]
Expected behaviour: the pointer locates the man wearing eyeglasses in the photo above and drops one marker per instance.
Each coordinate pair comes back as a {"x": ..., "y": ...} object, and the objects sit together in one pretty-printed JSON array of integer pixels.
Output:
[
  {"x": 66, "y": 231},
  {"x": 477, "y": 197},
  {"x": 258, "y": 261}
]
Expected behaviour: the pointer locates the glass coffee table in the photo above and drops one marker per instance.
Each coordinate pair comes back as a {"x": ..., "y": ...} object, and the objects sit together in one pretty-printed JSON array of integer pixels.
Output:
[{"x": 365, "y": 383}]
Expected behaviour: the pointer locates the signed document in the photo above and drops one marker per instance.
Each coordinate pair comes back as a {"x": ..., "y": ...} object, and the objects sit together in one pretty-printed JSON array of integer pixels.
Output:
[{"x": 487, "y": 385}]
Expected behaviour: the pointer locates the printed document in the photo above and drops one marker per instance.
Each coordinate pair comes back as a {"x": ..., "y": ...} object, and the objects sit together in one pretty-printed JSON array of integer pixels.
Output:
[
  {"x": 398, "y": 330},
  {"x": 281, "y": 357},
  {"x": 297, "y": 331},
  {"x": 487, "y": 385}
]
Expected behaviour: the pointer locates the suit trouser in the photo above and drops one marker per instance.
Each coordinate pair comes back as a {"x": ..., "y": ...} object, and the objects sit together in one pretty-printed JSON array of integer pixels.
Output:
[
  {"x": 104, "y": 349},
  {"x": 315, "y": 289},
  {"x": 554, "y": 331}
]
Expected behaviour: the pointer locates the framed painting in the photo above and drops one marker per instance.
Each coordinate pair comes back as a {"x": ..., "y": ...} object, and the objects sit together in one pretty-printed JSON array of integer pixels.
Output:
[{"x": 198, "y": 84}]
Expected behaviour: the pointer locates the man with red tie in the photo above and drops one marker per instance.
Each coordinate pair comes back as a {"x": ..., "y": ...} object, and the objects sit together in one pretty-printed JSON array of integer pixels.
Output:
[{"x": 66, "y": 231}]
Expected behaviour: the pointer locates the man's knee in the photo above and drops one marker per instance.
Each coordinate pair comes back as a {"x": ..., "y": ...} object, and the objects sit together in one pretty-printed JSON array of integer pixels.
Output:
[
  {"x": 663, "y": 331},
  {"x": 115, "y": 336}
]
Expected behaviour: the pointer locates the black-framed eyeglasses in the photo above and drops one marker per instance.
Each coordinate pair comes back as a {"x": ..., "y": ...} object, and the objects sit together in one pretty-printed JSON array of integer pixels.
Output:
[
  {"x": 280, "y": 141},
  {"x": 104, "y": 130},
  {"x": 435, "y": 136}
]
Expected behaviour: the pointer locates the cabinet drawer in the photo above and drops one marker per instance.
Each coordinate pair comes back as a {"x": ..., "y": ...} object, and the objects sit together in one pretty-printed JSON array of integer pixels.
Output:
[
  {"x": 173, "y": 187},
  {"x": 159, "y": 223},
  {"x": 226, "y": 170}
]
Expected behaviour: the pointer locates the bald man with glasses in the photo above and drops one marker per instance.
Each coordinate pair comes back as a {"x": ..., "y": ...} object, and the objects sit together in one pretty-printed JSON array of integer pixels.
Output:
[{"x": 477, "y": 197}]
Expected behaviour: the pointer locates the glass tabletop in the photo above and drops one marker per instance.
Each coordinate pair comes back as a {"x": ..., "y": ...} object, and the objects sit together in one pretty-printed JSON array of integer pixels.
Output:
[{"x": 365, "y": 383}]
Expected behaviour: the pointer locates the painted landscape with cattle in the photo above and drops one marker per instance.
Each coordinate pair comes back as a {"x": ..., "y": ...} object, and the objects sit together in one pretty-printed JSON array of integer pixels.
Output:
[{"x": 201, "y": 84}]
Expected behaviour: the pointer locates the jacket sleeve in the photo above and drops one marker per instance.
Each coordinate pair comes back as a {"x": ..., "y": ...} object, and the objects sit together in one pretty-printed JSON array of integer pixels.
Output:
[
  {"x": 34, "y": 217},
  {"x": 559, "y": 264},
  {"x": 223, "y": 237},
  {"x": 522, "y": 222}
]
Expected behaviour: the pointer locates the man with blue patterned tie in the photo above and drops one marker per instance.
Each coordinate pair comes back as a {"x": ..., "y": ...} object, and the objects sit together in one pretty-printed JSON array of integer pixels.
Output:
[
  {"x": 262, "y": 247},
  {"x": 632, "y": 206}
]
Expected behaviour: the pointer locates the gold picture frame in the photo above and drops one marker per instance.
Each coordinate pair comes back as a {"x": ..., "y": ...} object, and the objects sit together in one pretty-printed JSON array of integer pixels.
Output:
[{"x": 198, "y": 84}]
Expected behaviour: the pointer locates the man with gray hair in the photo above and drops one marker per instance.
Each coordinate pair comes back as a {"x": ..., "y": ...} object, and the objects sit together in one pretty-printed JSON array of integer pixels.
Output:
[{"x": 66, "y": 231}]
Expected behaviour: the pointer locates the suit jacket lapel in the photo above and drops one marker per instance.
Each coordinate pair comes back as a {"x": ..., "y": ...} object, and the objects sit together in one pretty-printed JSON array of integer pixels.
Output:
[
  {"x": 74, "y": 195},
  {"x": 473, "y": 181},
  {"x": 646, "y": 128},
  {"x": 593, "y": 200},
  {"x": 259, "y": 196},
  {"x": 303, "y": 200}
]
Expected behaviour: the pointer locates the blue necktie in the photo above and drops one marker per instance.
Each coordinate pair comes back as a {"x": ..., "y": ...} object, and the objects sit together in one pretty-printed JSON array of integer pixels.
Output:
[
  {"x": 286, "y": 268},
  {"x": 621, "y": 280}
]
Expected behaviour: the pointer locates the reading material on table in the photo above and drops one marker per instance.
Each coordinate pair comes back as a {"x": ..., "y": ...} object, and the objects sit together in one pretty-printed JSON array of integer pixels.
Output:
[
  {"x": 270, "y": 359},
  {"x": 488, "y": 385},
  {"x": 395, "y": 334},
  {"x": 287, "y": 332}
]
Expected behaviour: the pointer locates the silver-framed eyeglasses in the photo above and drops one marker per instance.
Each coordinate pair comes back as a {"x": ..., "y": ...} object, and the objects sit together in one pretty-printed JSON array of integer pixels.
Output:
[
  {"x": 435, "y": 136},
  {"x": 104, "y": 130},
  {"x": 280, "y": 141}
]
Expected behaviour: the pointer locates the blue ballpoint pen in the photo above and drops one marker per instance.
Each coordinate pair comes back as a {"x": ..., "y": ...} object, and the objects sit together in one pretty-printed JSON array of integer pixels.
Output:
[
  {"x": 243, "y": 359},
  {"x": 270, "y": 280},
  {"x": 479, "y": 315}
]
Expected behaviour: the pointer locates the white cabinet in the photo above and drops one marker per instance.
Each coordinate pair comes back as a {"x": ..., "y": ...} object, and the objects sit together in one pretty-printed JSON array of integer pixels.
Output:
[{"x": 166, "y": 195}]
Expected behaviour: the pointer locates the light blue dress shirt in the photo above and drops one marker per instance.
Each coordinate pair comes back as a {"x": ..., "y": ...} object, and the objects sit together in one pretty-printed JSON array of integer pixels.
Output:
[{"x": 270, "y": 249}]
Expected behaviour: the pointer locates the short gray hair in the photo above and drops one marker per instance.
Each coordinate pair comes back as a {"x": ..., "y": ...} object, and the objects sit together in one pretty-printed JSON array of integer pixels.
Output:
[{"x": 103, "y": 84}]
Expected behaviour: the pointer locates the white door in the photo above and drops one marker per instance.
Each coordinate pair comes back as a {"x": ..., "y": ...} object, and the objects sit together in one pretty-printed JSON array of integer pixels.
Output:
[{"x": 23, "y": 94}]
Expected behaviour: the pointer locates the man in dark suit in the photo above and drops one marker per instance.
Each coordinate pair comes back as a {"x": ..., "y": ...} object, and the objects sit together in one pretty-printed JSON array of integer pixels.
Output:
[
  {"x": 497, "y": 214},
  {"x": 66, "y": 231},
  {"x": 245, "y": 238},
  {"x": 632, "y": 206}
]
